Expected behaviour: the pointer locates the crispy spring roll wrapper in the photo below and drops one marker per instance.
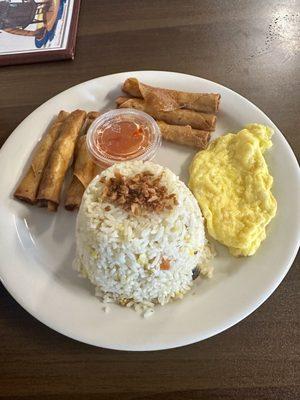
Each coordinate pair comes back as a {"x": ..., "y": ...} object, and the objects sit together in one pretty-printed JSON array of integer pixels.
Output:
[
  {"x": 76, "y": 190},
  {"x": 91, "y": 116},
  {"x": 59, "y": 160},
  {"x": 74, "y": 195},
  {"x": 180, "y": 116},
  {"x": 184, "y": 135},
  {"x": 84, "y": 171},
  {"x": 27, "y": 190},
  {"x": 84, "y": 168},
  {"x": 168, "y": 100}
]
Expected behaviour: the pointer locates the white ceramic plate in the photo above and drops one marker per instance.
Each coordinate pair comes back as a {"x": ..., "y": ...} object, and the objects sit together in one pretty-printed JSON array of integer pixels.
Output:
[{"x": 37, "y": 248}]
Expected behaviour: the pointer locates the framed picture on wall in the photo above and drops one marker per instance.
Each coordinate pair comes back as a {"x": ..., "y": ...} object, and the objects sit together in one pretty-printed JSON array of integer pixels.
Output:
[{"x": 37, "y": 30}]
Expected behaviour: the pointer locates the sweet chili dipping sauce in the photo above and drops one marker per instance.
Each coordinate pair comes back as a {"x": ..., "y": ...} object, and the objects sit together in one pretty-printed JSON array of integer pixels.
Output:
[{"x": 123, "y": 135}]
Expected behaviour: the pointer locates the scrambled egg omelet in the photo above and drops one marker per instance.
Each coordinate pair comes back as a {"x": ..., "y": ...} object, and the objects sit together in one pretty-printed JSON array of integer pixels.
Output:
[{"x": 231, "y": 181}]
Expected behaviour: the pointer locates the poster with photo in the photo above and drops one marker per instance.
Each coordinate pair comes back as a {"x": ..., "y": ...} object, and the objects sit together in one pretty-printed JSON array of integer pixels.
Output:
[{"x": 37, "y": 30}]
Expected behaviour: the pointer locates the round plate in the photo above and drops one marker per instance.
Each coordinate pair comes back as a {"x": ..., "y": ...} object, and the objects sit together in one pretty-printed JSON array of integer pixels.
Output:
[{"x": 37, "y": 248}]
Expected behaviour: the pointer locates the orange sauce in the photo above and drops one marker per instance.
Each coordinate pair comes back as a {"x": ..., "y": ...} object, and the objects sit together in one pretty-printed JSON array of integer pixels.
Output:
[{"x": 122, "y": 139}]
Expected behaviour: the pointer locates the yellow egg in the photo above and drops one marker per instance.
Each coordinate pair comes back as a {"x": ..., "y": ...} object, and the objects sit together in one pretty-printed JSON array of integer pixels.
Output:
[{"x": 231, "y": 181}]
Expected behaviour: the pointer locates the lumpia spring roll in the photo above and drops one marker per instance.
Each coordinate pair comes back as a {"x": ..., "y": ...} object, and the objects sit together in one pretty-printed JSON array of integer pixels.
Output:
[
  {"x": 59, "y": 160},
  {"x": 27, "y": 189},
  {"x": 74, "y": 195},
  {"x": 91, "y": 116},
  {"x": 184, "y": 117},
  {"x": 76, "y": 190},
  {"x": 84, "y": 171},
  {"x": 172, "y": 99},
  {"x": 184, "y": 135}
]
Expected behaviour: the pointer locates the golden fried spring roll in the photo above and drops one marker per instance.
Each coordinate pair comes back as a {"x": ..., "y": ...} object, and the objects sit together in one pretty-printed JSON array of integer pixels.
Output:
[
  {"x": 74, "y": 195},
  {"x": 91, "y": 116},
  {"x": 184, "y": 117},
  {"x": 59, "y": 160},
  {"x": 172, "y": 99},
  {"x": 27, "y": 190},
  {"x": 84, "y": 172},
  {"x": 76, "y": 188},
  {"x": 84, "y": 169},
  {"x": 184, "y": 135}
]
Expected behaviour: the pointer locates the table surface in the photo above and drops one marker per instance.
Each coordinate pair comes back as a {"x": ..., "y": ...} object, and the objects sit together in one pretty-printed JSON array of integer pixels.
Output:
[{"x": 251, "y": 47}]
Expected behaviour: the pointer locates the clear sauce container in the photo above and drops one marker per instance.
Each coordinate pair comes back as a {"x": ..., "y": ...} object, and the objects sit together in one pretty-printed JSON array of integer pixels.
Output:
[{"x": 123, "y": 135}]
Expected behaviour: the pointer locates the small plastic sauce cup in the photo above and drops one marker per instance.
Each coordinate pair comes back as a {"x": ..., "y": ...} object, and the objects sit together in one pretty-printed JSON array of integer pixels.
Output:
[{"x": 123, "y": 135}]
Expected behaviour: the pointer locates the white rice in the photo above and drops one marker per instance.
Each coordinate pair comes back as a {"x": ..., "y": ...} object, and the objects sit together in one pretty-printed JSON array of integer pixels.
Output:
[{"x": 121, "y": 253}]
